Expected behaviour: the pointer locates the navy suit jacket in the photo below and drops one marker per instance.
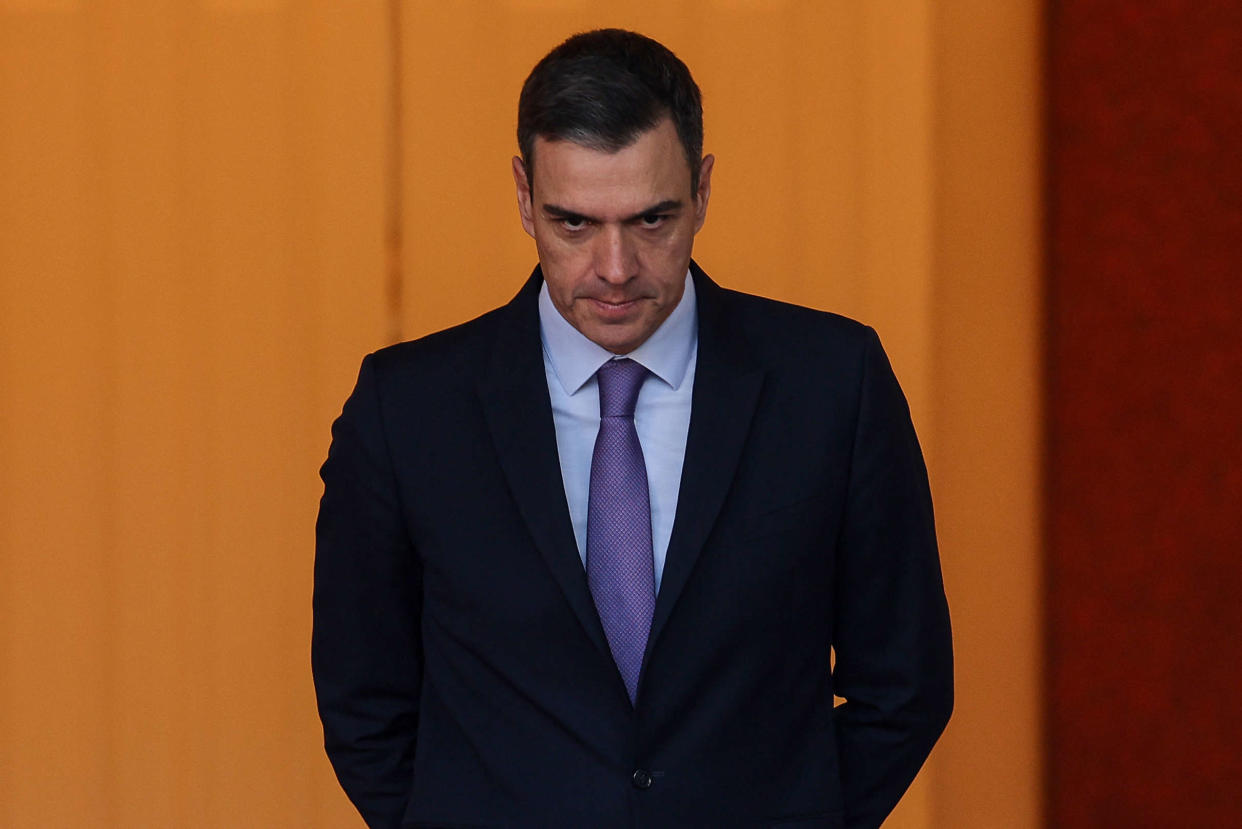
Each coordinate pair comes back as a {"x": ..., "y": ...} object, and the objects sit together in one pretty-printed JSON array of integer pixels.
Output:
[{"x": 462, "y": 673}]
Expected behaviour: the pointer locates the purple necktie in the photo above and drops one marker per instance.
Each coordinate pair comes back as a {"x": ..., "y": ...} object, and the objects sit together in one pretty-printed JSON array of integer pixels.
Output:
[{"x": 619, "y": 564}]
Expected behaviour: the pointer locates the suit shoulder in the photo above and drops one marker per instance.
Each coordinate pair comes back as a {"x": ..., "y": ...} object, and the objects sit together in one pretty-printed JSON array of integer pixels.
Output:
[
  {"x": 458, "y": 351},
  {"x": 781, "y": 328}
]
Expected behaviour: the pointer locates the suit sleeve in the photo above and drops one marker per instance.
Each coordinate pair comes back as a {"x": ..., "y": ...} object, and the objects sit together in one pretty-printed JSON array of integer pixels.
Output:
[
  {"x": 365, "y": 647},
  {"x": 894, "y": 661}
]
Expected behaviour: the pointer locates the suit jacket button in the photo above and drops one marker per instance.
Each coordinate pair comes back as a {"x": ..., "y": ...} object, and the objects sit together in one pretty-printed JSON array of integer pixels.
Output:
[{"x": 641, "y": 779}]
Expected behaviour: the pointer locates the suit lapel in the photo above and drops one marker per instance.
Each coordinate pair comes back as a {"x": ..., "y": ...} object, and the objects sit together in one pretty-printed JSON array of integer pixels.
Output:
[
  {"x": 518, "y": 410},
  {"x": 726, "y": 389}
]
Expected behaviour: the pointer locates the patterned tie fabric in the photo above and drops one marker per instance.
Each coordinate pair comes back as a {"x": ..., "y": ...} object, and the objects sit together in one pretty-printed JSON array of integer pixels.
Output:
[{"x": 619, "y": 564}]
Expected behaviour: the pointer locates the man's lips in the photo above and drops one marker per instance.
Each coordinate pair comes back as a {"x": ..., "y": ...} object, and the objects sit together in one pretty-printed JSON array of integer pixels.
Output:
[{"x": 610, "y": 308}]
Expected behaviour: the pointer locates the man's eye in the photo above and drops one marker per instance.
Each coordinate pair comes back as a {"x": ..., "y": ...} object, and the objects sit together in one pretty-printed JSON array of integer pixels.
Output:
[
  {"x": 654, "y": 219},
  {"x": 573, "y": 222}
]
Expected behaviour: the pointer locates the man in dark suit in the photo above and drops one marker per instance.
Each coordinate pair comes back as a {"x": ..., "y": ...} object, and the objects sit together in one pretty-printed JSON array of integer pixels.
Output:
[{"x": 581, "y": 561}]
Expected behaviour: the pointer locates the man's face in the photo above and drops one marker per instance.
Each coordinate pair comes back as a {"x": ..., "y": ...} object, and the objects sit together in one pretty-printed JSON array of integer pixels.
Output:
[{"x": 614, "y": 231}]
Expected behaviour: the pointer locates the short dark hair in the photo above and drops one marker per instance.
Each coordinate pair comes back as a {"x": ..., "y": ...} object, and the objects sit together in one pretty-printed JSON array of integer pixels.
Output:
[{"x": 602, "y": 89}]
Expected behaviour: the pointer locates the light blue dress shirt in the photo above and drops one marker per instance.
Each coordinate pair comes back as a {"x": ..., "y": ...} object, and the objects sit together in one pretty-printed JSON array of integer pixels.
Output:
[{"x": 661, "y": 416}]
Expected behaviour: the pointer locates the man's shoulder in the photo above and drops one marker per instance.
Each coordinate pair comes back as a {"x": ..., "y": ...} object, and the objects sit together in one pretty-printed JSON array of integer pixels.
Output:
[
  {"x": 779, "y": 313},
  {"x": 783, "y": 330},
  {"x": 460, "y": 351}
]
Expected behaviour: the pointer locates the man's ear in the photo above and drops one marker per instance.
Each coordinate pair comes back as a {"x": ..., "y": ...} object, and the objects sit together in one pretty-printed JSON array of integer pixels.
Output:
[
  {"x": 704, "y": 192},
  {"x": 526, "y": 207}
]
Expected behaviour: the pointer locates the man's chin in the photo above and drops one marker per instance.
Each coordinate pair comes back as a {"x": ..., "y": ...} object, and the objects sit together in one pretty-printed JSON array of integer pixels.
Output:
[
  {"x": 618, "y": 332},
  {"x": 619, "y": 339}
]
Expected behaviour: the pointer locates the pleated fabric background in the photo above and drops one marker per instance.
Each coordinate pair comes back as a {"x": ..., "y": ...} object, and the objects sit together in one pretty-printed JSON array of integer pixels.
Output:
[{"x": 210, "y": 210}]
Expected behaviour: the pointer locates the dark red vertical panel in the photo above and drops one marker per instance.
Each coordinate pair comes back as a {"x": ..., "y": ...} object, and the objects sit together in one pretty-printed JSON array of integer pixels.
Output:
[{"x": 1145, "y": 413}]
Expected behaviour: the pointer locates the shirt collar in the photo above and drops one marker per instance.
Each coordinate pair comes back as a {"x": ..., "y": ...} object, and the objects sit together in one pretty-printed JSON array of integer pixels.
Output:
[{"x": 575, "y": 359}]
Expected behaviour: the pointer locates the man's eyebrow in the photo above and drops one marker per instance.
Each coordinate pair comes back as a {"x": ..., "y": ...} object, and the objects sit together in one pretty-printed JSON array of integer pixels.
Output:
[
  {"x": 666, "y": 206},
  {"x": 564, "y": 213}
]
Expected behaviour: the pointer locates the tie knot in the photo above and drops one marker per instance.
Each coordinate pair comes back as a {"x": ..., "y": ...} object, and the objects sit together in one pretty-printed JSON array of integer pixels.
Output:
[{"x": 619, "y": 382}]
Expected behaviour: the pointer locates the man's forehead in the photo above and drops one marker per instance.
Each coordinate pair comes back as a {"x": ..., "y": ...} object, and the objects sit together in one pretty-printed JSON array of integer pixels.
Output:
[{"x": 650, "y": 169}]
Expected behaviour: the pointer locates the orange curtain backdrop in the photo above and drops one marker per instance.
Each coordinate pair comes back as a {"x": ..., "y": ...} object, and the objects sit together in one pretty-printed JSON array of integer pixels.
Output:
[
  {"x": 210, "y": 210},
  {"x": 191, "y": 261}
]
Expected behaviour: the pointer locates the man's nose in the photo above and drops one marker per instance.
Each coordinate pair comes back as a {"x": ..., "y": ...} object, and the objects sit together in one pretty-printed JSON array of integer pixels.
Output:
[{"x": 615, "y": 258}]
